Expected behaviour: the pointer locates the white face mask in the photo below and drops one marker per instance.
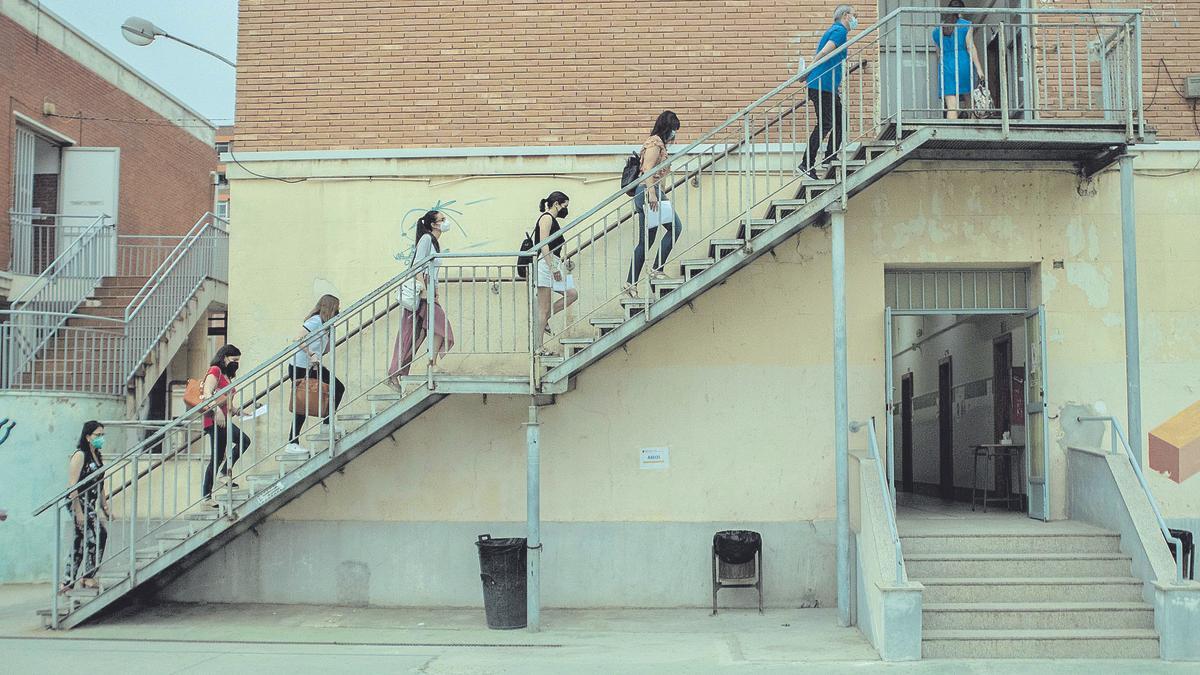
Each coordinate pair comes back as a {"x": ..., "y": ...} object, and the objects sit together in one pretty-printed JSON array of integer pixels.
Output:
[{"x": 853, "y": 22}]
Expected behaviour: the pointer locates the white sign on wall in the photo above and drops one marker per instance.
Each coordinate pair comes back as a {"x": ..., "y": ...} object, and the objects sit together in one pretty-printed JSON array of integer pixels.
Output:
[{"x": 655, "y": 459}]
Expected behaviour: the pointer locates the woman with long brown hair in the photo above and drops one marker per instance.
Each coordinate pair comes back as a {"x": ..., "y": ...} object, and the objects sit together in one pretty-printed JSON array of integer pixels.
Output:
[
  {"x": 416, "y": 325},
  {"x": 315, "y": 343},
  {"x": 87, "y": 505}
]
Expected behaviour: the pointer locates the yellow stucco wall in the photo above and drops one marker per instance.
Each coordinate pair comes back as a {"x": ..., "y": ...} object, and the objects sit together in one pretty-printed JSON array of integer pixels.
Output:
[{"x": 741, "y": 388}]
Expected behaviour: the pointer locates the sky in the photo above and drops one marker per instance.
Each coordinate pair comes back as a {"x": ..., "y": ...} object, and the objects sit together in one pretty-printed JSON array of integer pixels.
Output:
[{"x": 202, "y": 82}]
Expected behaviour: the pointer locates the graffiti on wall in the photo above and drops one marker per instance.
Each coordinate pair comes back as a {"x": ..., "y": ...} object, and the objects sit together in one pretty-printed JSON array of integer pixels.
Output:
[
  {"x": 458, "y": 215},
  {"x": 1175, "y": 445}
]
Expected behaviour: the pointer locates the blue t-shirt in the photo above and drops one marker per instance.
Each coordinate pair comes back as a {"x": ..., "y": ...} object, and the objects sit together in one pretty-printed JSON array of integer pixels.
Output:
[{"x": 828, "y": 75}]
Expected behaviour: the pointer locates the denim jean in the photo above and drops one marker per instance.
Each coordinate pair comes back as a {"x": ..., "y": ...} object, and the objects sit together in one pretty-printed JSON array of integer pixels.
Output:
[{"x": 670, "y": 234}]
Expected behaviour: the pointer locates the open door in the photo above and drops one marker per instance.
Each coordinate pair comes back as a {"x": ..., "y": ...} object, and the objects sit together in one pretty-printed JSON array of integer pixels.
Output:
[
  {"x": 89, "y": 186},
  {"x": 891, "y": 399},
  {"x": 1037, "y": 428}
]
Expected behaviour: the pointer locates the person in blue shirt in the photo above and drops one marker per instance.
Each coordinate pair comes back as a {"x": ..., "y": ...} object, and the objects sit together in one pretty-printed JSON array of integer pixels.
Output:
[
  {"x": 955, "y": 42},
  {"x": 823, "y": 83}
]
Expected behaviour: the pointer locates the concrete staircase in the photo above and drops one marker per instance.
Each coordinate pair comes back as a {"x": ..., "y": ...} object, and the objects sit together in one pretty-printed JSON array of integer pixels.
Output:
[{"x": 1009, "y": 588}]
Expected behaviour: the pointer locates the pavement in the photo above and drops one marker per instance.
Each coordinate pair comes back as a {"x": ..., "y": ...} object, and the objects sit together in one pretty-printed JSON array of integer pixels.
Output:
[{"x": 297, "y": 639}]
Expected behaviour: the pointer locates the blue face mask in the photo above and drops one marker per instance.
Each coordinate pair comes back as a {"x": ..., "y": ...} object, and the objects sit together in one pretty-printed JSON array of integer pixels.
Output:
[
  {"x": 98, "y": 442},
  {"x": 853, "y": 22}
]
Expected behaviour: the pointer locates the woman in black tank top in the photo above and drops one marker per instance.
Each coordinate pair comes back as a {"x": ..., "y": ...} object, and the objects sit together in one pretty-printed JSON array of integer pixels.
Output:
[{"x": 549, "y": 275}]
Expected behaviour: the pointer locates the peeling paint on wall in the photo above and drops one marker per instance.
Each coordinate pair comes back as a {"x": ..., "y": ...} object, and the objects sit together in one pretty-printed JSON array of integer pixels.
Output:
[{"x": 1092, "y": 281}]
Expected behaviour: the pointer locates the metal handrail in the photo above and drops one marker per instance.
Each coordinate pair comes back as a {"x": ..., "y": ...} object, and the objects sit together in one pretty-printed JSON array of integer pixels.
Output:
[
  {"x": 1118, "y": 438},
  {"x": 63, "y": 315},
  {"x": 43, "y": 280},
  {"x": 889, "y": 506},
  {"x": 188, "y": 416}
]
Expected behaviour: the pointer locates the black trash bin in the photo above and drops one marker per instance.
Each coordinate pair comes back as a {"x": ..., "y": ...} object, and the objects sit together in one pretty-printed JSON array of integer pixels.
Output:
[{"x": 502, "y": 570}]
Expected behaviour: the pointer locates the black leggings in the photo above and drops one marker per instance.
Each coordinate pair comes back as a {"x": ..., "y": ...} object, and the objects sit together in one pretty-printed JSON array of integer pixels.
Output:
[
  {"x": 219, "y": 437},
  {"x": 829, "y": 123},
  {"x": 339, "y": 390}
]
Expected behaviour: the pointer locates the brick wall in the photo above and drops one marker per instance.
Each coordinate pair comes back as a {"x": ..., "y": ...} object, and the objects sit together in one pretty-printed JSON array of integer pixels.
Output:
[
  {"x": 165, "y": 184},
  {"x": 328, "y": 74}
]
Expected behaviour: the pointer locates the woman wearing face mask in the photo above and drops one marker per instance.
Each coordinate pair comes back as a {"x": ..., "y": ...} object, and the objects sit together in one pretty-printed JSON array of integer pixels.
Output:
[
  {"x": 551, "y": 278},
  {"x": 314, "y": 344},
  {"x": 87, "y": 505},
  {"x": 648, "y": 195},
  {"x": 220, "y": 429},
  {"x": 955, "y": 41},
  {"x": 415, "y": 326}
]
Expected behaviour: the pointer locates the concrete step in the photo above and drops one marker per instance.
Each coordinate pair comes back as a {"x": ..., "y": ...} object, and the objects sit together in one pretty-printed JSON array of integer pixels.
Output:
[
  {"x": 1041, "y": 644},
  {"x": 1008, "y": 589},
  {"x": 1012, "y": 543},
  {"x": 1037, "y": 615},
  {"x": 1031, "y": 565},
  {"x": 106, "y": 310}
]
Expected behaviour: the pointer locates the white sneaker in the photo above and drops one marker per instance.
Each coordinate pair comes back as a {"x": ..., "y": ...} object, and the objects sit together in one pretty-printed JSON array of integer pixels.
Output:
[{"x": 295, "y": 449}]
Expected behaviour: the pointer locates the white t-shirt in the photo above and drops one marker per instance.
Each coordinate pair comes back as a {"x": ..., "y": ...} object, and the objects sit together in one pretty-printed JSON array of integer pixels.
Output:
[{"x": 318, "y": 342}]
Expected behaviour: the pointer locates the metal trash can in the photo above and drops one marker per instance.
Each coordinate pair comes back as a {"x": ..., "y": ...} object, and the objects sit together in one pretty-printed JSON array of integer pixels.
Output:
[{"x": 502, "y": 570}]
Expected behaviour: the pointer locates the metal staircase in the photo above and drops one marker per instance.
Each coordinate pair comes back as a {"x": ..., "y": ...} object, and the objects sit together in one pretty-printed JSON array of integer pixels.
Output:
[{"x": 741, "y": 195}]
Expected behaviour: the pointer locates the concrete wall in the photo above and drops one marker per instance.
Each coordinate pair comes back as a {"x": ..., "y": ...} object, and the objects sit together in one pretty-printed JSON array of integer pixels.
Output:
[
  {"x": 34, "y": 467},
  {"x": 740, "y": 388}
]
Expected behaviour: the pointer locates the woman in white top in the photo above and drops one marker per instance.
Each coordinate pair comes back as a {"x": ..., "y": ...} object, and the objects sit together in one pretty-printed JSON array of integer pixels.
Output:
[
  {"x": 647, "y": 197},
  {"x": 314, "y": 345},
  {"x": 415, "y": 326},
  {"x": 551, "y": 278}
]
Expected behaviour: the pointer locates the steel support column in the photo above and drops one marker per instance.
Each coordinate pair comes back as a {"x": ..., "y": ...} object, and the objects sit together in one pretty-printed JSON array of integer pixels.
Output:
[
  {"x": 1133, "y": 364},
  {"x": 533, "y": 521},
  {"x": 841, "y": 413}
]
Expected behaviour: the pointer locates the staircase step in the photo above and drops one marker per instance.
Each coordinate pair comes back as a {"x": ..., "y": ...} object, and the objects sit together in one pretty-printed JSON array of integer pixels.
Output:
[
  {"x": 690, "y": 268},
  {"x": 757, "y": 227},
  {"x": 810, "y": 189},
  {"x": 872, "y": 149},
  {"x": 1041, "y": 644},
  {"x": 575, "y": 345},
  {"x": 606, "y": 323},
  {"x": 1017, "y": 564},
  {"x": 634, "y": 306},
  {"x": 853, "y": 165},
  {"x": 548, "y": 362},
  {"x": 719, "y": 248},
  {"x": 1012, "y": 543},
  {"x": 1037, "y": 615},
  {"x": 782, "y": 208},
  {"x": 1008, "y": 589},
  {"x": 661, "y": 287}
]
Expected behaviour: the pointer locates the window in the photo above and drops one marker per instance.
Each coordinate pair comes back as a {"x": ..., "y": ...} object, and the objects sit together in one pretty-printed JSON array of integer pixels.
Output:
[
  {"x": 223, "y": 210},
  {"x": 222, "y": 148}
]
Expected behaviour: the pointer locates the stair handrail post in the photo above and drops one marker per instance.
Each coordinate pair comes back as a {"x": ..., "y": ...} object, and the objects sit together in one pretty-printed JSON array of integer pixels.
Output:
[
  {"x": 430, "y": 319},
  {"x": 531, "y": 297},
  {"x": 56, "y": 581},
  {"x": 331, "y": 417},
  {"x": 1004, "y": 112},
  {"x": 1120, "y": 440},
  {"x": 841, "y": 412},
  {"x": 899, "y": 78},
  {"x": 133, "y": 516}
]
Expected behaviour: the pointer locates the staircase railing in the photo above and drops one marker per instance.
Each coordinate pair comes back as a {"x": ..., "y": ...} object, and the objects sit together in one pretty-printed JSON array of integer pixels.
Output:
[
  {"x": 43, "y": 307},
  {"x": 727, "y": 178},
  {"x": 1118, "y": 441},
  {"x": 201, "y": 255},
  {"x": 77, "y": 359},
  {"x": 889, "y": 500}
]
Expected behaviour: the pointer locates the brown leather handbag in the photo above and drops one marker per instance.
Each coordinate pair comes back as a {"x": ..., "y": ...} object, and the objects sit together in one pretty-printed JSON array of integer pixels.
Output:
[{"x": 310, "y": 396}]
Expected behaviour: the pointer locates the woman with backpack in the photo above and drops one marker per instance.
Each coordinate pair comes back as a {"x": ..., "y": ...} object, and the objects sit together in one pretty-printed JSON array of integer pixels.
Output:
[
  {"x": 314, "y": 345},
  {"x": 551, "y": 278},
  {"x": 86, "y": 506},
  {"x": 415, "y": 325},
  {"x": 958, "y": 59},
  {"x": 649, "y": 195}
]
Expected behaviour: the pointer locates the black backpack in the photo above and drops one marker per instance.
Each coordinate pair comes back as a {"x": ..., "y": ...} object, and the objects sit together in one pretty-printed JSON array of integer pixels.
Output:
[
  {"x": 632, "y": 171},
  {"x": 525, "y": 260}
]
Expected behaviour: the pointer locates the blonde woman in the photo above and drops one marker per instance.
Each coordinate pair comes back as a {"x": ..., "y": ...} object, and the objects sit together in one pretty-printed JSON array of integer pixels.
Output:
[{"x": 315, "y": 343}]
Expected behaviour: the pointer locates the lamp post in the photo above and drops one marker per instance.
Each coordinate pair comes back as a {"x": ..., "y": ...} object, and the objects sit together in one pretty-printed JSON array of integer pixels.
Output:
[{"x": 141, "y": 32}]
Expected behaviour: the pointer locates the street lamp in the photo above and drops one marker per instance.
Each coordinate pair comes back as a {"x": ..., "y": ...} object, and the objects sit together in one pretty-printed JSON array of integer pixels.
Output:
[{"x": 141, "y": 32}]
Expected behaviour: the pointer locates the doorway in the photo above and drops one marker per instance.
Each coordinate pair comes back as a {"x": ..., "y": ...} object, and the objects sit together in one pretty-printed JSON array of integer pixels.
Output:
[
  {"x": 906, "y": 431},
  {"x": 945, "y": 417}
]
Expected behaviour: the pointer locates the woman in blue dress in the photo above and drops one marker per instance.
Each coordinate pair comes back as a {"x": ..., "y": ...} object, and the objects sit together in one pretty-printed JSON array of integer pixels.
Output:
[{"x": 955, "y": 41}]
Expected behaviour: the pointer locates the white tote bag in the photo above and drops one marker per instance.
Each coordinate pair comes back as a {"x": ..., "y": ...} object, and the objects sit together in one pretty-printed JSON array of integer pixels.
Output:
[
  {"x": 409, "y": 295},
  {"x": 665, "y": 215}
]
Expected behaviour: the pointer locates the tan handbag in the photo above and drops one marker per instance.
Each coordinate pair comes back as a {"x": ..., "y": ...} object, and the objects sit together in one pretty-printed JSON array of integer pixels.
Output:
[{"x": 310, "y": 396}]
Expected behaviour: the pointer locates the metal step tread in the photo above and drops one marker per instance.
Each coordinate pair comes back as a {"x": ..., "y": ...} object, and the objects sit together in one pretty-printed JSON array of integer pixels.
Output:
[
  {"x": 607, "y": 321},
  {"x": 725, "y": 242},
  {"x": 1042, "y": 634},
  {"x": 698, "y": 262},
  {"x": 1028, "y": 581},
  {"x": 1037, "y": 607},
  {"x": 577, "y": 341},
  {"x": 635, "y": 302}
]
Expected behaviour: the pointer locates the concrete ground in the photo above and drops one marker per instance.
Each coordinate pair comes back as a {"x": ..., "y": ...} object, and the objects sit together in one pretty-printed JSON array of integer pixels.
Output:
[{"x": 175, "y": 638}]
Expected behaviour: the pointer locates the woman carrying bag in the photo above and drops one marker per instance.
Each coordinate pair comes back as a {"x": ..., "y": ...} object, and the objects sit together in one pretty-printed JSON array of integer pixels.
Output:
[
  {"x": 315, "y": 343},
  {"x": 415, "y": 324},
  {"x": 651, "y": 205}
]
